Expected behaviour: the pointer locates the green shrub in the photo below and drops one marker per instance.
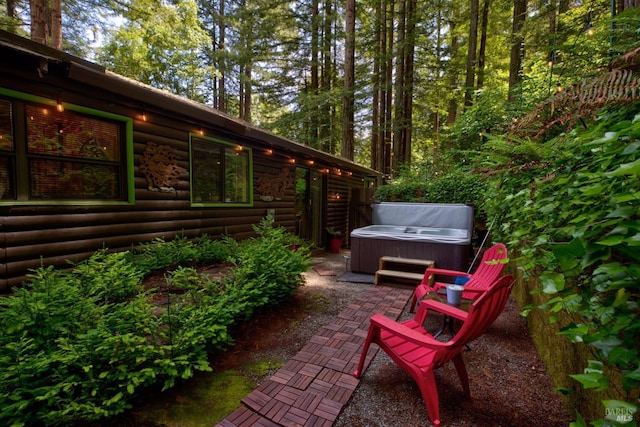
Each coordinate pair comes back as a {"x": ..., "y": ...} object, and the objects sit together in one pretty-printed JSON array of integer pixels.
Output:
[
  {"x": 415, "y": 192},
  {"x": 79, "y": 345},
  {"x": 458, "y": 187},
  {"x": 266, "y": 266},
  {"x": 69, "y": 353},
  {"x": 455, "y": 187},
  {"x": 210, "y": 250}
]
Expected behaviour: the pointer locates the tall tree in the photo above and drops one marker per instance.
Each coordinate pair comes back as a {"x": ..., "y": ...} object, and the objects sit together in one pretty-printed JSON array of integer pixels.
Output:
[
  {"x": 381, "y": 85},
  {"x": 472, "y": 47},
  {"x": 221, "y": 63},
  {"x": 326, "y": 78},
  {"x": 483, "y": 44},
  {"x": 46, "y": 22},
  {"x": 376, "y": 81},
  {"x": 12, "y": 23},
  {"x": 315, "y": 69},
  {"x": 348, "y": 106},
  {"x": 387, "y": 95},
  {"x": 246, "y": 30},
  {"x": 161, "y": 45},
  {"x": 517, "y": 47},
  {"x": 452, "y": 109},
  {"x": 399, "y": 88}
]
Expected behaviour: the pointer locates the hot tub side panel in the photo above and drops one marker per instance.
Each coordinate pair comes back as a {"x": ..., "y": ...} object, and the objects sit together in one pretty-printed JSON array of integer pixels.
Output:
[{"x": 366, "y": 253}]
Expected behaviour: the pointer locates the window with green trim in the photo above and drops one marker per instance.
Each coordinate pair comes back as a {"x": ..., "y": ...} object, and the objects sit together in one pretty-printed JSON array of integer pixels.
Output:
[
  {"x": 55, "y": 154},
  {"x": 7, "y": 152},
  {"x": 220, "y": 172}
]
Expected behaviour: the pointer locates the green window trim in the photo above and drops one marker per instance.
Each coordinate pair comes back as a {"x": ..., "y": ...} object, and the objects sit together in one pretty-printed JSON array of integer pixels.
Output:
[
  {"x": 217, "y": 189},
  {"x": 127, "y": 162}
]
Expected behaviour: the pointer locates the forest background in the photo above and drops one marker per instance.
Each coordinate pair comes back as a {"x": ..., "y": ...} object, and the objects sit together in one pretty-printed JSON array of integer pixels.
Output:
[
  {"x": 427, "y": 89},
  {"x": 385, "y": 83}
]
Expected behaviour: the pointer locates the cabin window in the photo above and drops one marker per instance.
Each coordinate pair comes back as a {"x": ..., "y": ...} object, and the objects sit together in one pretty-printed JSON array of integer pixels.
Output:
[
  {"x": 7, "y": 157},
  {"x": 55, "y": 154},
  {"x": 71, "y": 156},
  {"x": 220, "y": 173}
]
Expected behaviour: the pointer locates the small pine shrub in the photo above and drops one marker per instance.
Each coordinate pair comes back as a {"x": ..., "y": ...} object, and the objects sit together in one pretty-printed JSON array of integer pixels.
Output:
[{"x": 80, "y": 345}]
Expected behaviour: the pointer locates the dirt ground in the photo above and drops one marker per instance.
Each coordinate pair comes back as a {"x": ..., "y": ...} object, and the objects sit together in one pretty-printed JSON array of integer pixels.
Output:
[{"x": 508, "y": 381}]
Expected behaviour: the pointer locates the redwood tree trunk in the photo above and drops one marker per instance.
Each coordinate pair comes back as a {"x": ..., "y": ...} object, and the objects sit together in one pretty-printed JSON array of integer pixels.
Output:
[
  {"x": 399, "y": 89},
  {"x": 388, "y": 93},
  {"x": 222, "y": 95},
  {"x": 315, "y": 66},
  {"x": 11, "y": 13},
  {"x": 452, "y": 110},
  {"x": 471, "y": 54},
  {"x": 40, "y": 18},
  {"x": 483, "y": 44},
  {"x": 517, "y": 47},
  {"x": 376, "y": 82},
  {"x": 46, "y": 22},
  {"x": 348, "y": 106},
  {"x": 325, "y": 81}
]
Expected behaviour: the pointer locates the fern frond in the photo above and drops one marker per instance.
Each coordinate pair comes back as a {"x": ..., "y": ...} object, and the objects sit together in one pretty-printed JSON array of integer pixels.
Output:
[{"x": 580, "y": 101}]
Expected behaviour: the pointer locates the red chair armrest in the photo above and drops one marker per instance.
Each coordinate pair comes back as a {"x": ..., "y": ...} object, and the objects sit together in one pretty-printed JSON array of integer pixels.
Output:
[
  {"x": 442, "y": 271},
  {"x": 429, "y": 272},
  {"x": 405, "y": 332},
  {"x": 474, "y": 290},
  {"x": 443, "y": 308}
]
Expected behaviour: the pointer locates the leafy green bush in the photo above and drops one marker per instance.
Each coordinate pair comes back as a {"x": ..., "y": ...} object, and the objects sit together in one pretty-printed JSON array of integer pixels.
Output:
[
  {"x": 403, "y": 192},
  {"x": 81, "y": 344},
  {"x": 69, "y": 353},
  {"x": 489, "y": 114},
  {"x": 210, "y": 250},
  {"x": 458, "y": 186},
  {"x": 267, "y": 269},
  {"x": 571, "y": 206}
]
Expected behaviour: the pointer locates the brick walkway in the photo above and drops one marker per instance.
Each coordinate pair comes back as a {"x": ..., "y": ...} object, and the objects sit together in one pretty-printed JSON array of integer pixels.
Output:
[{"x": 313, "y": 387}]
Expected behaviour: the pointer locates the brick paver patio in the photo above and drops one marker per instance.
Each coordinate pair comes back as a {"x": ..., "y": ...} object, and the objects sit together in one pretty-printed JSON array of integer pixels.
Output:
[{"x": 313, "y": 387}]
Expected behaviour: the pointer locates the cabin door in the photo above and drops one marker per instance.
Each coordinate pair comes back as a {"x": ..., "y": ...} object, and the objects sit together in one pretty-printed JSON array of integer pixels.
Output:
[{"x": 309, "y": 205}]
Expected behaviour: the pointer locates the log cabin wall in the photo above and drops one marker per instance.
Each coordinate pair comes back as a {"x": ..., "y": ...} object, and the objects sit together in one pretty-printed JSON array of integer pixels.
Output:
[
  {"x": 32, "y": 234},
  {"x": 342, "y": 187}
]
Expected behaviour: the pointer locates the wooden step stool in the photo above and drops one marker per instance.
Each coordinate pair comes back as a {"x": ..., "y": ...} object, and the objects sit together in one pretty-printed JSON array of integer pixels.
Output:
[{"x": 405, "y": 269}]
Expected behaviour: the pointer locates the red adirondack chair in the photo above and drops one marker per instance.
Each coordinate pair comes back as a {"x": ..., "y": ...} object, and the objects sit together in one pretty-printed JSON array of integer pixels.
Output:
[
  {"x": 418, "y": 353},
  {"x": 490, "y": 268}
]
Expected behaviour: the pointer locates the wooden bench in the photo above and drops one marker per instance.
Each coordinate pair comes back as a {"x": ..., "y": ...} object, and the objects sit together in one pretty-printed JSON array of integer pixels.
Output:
[{"x": 404, "y": 269}]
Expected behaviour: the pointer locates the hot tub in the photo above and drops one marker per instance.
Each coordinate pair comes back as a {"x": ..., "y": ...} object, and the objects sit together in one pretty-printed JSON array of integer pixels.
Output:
[
  {"x": 438, "y": 232},
  {"x": 412, "y": 233}
]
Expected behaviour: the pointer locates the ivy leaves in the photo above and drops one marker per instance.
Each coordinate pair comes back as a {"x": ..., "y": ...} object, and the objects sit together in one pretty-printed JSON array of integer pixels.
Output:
[{"x": 577, "y": 222}]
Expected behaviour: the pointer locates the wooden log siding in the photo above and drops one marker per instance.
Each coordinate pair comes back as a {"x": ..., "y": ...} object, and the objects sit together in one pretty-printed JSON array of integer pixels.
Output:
[
  {"x": 51, "y": 234},
  {"x": 76, "y": 235}
]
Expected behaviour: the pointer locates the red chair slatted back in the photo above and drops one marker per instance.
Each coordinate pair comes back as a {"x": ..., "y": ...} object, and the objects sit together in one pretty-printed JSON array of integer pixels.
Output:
[{"x": 492, "y": 263}]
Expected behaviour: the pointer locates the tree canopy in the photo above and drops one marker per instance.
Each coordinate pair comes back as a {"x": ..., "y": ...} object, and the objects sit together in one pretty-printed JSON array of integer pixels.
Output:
[{"x": 425, "y": 76}]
